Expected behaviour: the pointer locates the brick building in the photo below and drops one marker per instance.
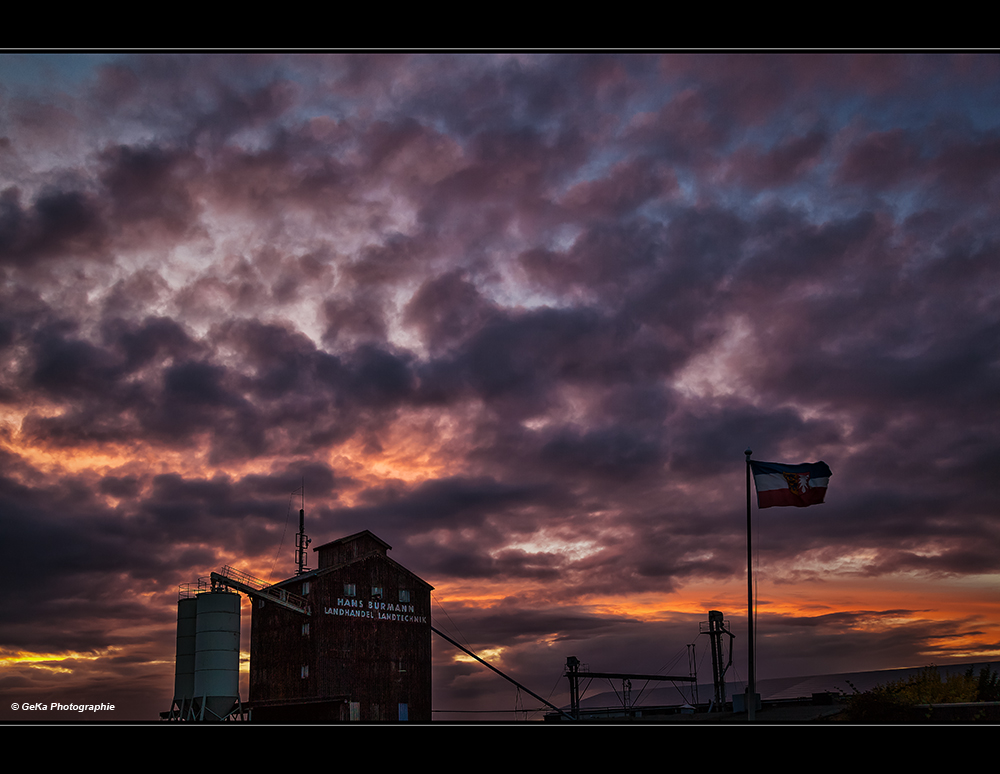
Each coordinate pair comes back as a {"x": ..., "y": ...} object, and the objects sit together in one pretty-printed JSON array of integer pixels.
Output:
[{"x": 363, "y": 654}]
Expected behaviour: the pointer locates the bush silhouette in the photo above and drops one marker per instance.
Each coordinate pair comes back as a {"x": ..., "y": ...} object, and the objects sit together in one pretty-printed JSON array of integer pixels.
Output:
[{"x": 899, "y": 701}]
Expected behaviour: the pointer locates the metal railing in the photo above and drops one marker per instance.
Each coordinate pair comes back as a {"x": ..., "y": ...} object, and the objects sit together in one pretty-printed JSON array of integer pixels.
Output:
[{"x": 255, "y": 587}]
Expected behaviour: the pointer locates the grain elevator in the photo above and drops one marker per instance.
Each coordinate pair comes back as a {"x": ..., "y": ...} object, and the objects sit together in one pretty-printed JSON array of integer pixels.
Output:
[
  {"x": 348, "y": 641},
  {"x": 363, "y": 654}
]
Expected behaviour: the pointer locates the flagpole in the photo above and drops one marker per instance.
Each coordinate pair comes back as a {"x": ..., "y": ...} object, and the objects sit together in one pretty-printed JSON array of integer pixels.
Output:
[{"x": 751, "y": 699}]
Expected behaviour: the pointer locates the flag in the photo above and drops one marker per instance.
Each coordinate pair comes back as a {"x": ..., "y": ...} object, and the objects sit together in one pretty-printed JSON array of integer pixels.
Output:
[{"x": 798, "y": 485}]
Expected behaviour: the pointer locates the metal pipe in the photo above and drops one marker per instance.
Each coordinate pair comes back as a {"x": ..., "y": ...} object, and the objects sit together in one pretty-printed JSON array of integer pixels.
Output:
[{"x": 505, "y": 677}]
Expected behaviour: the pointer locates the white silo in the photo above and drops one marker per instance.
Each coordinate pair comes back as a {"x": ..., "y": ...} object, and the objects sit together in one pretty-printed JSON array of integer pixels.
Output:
[
  {"x": 187, "y": 613},
  {"x": 217, "y": 654}
]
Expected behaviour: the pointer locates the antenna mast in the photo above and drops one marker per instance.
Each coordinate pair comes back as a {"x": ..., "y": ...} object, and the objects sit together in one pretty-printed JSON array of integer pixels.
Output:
[{"x": 302, "y": 540}]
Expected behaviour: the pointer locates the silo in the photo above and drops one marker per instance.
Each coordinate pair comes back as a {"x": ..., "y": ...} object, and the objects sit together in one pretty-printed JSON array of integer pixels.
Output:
[
  {"x": 217, "y": 654},
  {"x": 187, "y": 613}
]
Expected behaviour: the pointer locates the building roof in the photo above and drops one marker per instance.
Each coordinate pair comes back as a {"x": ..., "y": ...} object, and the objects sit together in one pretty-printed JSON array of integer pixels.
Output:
[
  {"x": 355, "y": 536},
  {"x": 379, "y": 546}
]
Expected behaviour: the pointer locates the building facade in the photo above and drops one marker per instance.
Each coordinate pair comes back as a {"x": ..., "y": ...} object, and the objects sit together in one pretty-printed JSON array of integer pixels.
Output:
[{"x": 364, "y": 653}]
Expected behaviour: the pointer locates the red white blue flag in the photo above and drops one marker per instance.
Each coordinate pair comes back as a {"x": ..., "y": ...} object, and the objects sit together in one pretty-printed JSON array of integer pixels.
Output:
[{"x": 798, "y": 485}]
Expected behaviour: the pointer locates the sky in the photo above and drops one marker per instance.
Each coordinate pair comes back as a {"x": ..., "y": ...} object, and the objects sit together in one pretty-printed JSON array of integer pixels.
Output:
[{"x": 518, "y": 314}]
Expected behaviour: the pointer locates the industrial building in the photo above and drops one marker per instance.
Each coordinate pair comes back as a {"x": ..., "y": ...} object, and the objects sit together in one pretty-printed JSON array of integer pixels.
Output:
[
  {"x": 348, "y": 641},
  {"x": 363, "y": 654}
]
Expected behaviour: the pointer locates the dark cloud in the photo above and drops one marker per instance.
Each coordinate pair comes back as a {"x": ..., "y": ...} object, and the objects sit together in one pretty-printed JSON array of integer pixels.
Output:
[
  {"x": 447, "y": 309},
  {"x": 148, "y": 186},
  {"x": 438, "y": 503},
  {"x": 882, "y": 159},
  {"x": 57, "y": 224},
  {"x": 785, "y": 163}
]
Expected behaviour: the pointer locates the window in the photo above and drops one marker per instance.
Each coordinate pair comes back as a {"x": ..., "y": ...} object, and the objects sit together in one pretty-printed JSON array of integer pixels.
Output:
[
  {"x": 350, "y": 590},
  {"x": 305, "y": 588},
  {"x": 404, "y": 595},
  {"x": 377, "y": 591},
  {"x": 404, "y": 712},
  {"x": 305, "y": 630},
  {"x": 305, "y": 671}
]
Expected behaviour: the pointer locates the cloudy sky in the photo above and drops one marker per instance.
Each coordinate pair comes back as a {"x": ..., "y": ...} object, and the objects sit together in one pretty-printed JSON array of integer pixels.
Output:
[{"x": 519, "y": 315}]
